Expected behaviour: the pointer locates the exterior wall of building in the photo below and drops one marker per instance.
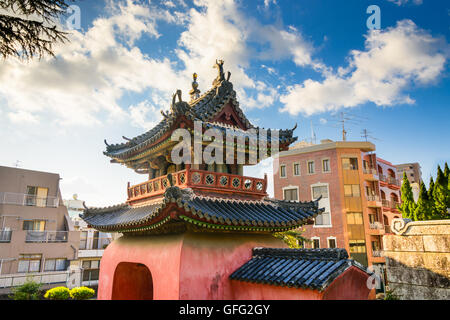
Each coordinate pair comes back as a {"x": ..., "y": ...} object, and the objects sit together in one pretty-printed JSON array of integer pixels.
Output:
[
  {"x": 56, "y": 240},
  {"x": 197, "y": 266},
  {"x": 417, "y": 259},
  {"x": 335, "y": 179},
  {"x": 413, "y": 171}
]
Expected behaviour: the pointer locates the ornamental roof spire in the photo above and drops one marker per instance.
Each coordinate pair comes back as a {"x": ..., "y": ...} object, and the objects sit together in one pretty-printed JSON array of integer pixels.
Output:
[{"x": 195, "y": 93}]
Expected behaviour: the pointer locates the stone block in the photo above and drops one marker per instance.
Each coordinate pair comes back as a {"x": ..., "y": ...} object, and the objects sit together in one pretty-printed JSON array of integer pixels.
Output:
[
  {"x": 402, "y": 243},
  {"x": 436, "y": 243}
]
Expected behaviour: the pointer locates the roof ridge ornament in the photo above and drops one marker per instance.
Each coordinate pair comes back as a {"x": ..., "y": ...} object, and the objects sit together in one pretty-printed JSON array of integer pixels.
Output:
[
  {"x": 195, "y": 92},
  {"x": 220, "y": 77}
]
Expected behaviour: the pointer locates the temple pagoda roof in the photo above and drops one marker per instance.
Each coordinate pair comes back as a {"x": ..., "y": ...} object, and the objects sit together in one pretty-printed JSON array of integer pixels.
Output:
[
  {"x": 299, "y": 268},
  {"x": 181, "y": 208},
  {"x": 205, "y": 108}
]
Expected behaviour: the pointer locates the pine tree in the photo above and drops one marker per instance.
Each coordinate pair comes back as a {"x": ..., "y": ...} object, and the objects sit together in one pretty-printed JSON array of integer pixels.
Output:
[
  {"x": 440, "y": 192},
  {"x": 28, "y": 28},
  {"x": 431, "y": 189},
  {"x": 447, "y": 179},
  {"x": 423, "y": 210},
  {"x": 408, "y": 205},
  {"x": 446, "y": 171}
]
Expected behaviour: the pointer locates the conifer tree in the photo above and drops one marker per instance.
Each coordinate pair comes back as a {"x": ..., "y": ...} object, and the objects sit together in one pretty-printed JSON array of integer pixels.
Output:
[
  {"x": 440, "y": 192},
  {"x": 423, "y": 210},
  {"x": 431, "y": 189},
  {"x": 28, "y": 27},
  {"x": 408, "y": 205}
]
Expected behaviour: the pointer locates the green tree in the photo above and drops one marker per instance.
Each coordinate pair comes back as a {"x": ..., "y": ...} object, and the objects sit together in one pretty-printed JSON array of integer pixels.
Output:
[
  {"x": 407, "y": 206},
  {"x": 423, "y": 210},
  {"x": 30, "y": 290},
  {"x": 431, "y": 189},
  {"x": 28, "y": 27},
  {"x": 292, "y": 238},
  {"x": 440, "y": 192}
]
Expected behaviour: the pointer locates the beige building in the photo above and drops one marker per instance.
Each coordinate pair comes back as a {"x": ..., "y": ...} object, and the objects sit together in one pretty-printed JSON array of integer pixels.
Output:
[
  {"x": 91, "y": 247},
  {"x": 37, "y": 237}
]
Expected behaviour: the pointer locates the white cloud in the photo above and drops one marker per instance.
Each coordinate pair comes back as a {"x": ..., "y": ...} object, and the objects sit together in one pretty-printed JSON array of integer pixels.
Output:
[{"x": 393, "y": 60}]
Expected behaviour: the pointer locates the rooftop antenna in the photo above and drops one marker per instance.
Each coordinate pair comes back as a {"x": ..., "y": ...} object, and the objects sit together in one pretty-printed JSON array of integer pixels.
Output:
[
  {"x": 366, "y": 134},
  {"x": 313, "y": 134}
]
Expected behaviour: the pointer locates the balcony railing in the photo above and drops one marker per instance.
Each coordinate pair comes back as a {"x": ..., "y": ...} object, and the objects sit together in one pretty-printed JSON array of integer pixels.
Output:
[
  {"x": 383, "y": 178},
  {"x": 386, "y": 203},
  {"x": 46, "y": 236},
  {"x": 5, "y": 236},
  {"x": 94, "y": 243},
  {"x": 23, "y": 199},
  {"x": 199, "y": 179},
  {"x": 393, "y": 181},
  {"x": 17, "y": 279},
  {"x": 377, "y": 253},
  {"x": 370, "y": 171},
  {"x": 376, "y": 225},
  {"x": 373, "y": 198},
  {"x": 394, "y": 204}
]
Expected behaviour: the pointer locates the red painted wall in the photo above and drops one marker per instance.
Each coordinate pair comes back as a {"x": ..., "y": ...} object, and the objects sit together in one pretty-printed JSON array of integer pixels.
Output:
[
  {"x": 197, "y": 266},
  {"x": 351, "y": 285}
]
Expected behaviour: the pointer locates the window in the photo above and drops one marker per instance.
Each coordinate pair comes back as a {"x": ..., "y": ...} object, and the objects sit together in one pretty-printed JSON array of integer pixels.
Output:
[
  {"x": 323, "y": 219},
  {"x": 357, "y": 246},
  {"x": 310, "y": 167},
  {"x": 350, "y": 163},
  {"x": 352, "y": 190},
  {"x": 331, "y": 242},
  {"x": 283, "y": 171},
  {"x": 55, "y": 265},
  {"x": 320, "y": 191},
  {"x": 316, "y": 243},
  {"x": 37, "y": 196},
  {"x": 326, "y": 165},
  {"x": 296, "y": 169},
  {"x": 83, "y": 240},
  {"x": 290, "y": 194},
  {"x": 34, "y": 225},
  {"x": 29, "y": 263},
  {"x": 91, "y": 270}
]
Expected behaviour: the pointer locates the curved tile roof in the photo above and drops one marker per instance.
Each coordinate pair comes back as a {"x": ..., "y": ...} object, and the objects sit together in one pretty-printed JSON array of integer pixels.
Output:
[
  {"x": 207, "y": 212},
  {"x": 204, "y": 109},
  {"x": 299, "y": 268}
]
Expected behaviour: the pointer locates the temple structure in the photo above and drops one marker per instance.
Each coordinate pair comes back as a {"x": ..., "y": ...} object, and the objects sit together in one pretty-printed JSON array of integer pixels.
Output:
[{"x": 190, "y": 231}]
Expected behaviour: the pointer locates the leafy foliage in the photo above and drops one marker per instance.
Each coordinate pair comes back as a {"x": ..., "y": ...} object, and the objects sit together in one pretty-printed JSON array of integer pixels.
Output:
[
  {"x": 28, "y": 27},
  {"x": 82, "y": 293},
  {"x": 57, "y": 293},
  {"x": 30, "y": 290},
  {"x": 292, "y": 238},
  {"x": 432, "y": 204},
  {"x": 390, "y": 295}
]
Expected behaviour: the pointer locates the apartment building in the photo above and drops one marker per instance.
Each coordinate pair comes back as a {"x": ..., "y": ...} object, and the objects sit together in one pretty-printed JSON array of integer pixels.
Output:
[
  {"x": 358, "y": 190},
  {"x": 414, "y": 175},
  {"x": 37, "y": 237},
  {"x": 91, "y": 247}
]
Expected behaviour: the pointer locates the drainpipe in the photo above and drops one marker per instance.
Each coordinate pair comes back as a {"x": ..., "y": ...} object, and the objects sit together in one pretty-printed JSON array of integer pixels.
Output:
[{"x": 75, "y": 256}]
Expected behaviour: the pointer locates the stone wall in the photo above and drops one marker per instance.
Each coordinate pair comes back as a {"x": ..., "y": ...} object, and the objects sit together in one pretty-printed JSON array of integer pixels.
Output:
[{"x": 418, "y": 259}]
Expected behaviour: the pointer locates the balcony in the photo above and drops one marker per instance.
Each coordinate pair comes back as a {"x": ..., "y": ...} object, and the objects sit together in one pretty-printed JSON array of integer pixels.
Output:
[
  {"x": 376, "y": 225},
  {"x": 5, "y": 236},
  {"x": 23, "y": 199},
  {"x": 385, "y": 203},
  {"x": 370, "y": 174},
  {"x": 199, "y": 180},
  {"x": 387, "y": 229},
  {"x": 394, "y": 204},
  {"x": 46, "y": 236},
  {"x": 393, "y": 183},
  {"x": 373, "y": 201},
  {"x": 376, "y": 228},
  {"x": 377, "y": 253},
  {"x": 17, "y": 279}
]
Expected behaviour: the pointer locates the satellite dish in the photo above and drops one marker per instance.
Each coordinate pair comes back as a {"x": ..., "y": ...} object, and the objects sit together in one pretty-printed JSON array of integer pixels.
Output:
[{"x": 75, "y": 196}]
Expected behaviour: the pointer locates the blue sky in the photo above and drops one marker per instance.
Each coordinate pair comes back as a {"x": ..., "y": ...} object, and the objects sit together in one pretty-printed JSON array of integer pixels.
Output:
[{"x": 291, "y": 62}]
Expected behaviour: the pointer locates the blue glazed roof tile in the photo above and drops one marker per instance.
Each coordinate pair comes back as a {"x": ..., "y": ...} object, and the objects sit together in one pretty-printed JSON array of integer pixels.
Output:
[{"x": 300, "y": 268}]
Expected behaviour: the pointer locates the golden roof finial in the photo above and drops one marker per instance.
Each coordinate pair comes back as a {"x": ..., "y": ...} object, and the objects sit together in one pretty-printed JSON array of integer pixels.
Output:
[{"x": 195, "y": 93}]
